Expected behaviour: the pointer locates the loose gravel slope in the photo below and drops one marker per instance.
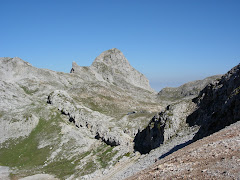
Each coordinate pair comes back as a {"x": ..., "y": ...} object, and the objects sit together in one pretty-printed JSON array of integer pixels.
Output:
[{"x": 214, "y": 157}]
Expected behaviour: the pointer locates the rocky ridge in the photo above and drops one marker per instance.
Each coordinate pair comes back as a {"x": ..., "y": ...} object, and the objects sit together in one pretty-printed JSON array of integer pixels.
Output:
[
  {"x": 163, "y": 126},
  {"x": 85, "y": 122},
  {"x": 84, "y": 117},
  {"x": 111, "y": 66},
  {"x": 218, "y": 104},
  {"x": 188, "y": 90},
  {"x": 90, "y": 120}
]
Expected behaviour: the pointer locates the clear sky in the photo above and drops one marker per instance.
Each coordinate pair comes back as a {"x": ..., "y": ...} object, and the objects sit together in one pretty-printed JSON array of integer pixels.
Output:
[{"x": 170, "y": 41}]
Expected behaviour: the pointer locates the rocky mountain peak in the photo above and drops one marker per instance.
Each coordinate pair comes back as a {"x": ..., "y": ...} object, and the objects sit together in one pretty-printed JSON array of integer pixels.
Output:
[
  {"x": 11, "y": 68},
  {"x": 113, "y": 67},
  {"x": 112, "y": 57}
]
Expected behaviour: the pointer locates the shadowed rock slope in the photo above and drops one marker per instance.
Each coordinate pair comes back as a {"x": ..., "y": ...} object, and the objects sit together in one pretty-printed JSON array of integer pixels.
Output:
[
  {"x": 165, "y": 125},
  {"x": 216, "y": 107},
  {"x": 218, "y": 104}
]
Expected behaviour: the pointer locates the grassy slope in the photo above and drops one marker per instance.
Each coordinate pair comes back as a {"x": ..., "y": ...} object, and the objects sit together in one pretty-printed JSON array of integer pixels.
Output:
[{"x": 26, "y": 158}]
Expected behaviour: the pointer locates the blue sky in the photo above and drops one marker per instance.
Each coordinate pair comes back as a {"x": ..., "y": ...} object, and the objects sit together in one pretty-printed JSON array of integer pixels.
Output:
[{"x": 171, "y": 41}]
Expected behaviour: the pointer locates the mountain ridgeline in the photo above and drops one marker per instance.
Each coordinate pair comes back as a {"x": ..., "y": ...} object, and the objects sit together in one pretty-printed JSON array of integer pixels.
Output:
[
  {"x": 111, "y": 66},
  {"x": 94, "y": 121}
]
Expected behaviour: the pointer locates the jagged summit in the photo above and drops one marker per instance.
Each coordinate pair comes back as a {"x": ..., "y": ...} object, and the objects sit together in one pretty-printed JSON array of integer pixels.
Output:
[{"x": 113, "y": 67}]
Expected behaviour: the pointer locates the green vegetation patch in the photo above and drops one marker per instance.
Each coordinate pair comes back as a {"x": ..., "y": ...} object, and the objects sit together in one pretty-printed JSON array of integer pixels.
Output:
[
  {"x": 24, "y": 153},
  {"x": 127, "y": 154},
  {"x": 106, "y": 156},
  {"x": 1, "y": 114},
  {"x": 235, "y": 92},
  {"x": 88, "y": 168},
  {"x": 60, "y": 168},
  {"x": 28, "y": 91}
]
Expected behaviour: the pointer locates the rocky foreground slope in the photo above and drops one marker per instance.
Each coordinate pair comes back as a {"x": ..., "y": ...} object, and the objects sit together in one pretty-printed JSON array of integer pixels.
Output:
[
  {"x": 214, "y": 157},
  {"x": 93, "y": 122}
]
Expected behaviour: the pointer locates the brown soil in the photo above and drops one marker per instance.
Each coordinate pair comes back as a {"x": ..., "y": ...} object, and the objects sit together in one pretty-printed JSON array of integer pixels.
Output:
[{"x": 214, "y": 157}]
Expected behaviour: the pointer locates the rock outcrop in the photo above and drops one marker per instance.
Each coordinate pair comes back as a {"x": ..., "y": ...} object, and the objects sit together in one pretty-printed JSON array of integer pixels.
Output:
[
  {"x": 218, "y": 104},
  {"x": 163, "y": 126},
  {"x": 111, "y": 66},
  {"x": 98, "y": 124}
]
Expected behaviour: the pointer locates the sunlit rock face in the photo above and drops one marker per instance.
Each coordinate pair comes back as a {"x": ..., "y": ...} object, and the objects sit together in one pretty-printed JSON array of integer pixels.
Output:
[{"x": 112, "y": 66}]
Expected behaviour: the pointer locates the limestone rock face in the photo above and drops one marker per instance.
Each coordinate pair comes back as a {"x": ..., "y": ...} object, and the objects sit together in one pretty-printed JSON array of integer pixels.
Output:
[
  {"x": 163, "y": 126},
  {"x": 99, "y": 125},
  {"x": 112, "y": 66}
]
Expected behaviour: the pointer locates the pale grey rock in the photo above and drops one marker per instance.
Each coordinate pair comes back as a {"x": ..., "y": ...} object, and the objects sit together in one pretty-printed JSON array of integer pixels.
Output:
[
  {"x": 4, "y": 173},
  {"x": 112, "y": 66},
  {"x": 39, "y": 177},
  {"x": 94, "y": 103},
  {"x": 175, "y": 118},
  {"x": 139, "y": 162},
  {"x": 62, "y": 101},
  {"x": 187, "y": 90},
  {"x": 164, "y": 126},
  {"x": 87, "y": 73},
  {"x": 99, "y": 125},
  {"x": 23, "y": 125}
]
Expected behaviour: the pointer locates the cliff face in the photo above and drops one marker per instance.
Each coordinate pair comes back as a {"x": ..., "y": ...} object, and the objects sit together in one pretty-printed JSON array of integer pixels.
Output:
[
  {"x": 163, "y": 126},
  {"x": 218, "y": 104}
]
